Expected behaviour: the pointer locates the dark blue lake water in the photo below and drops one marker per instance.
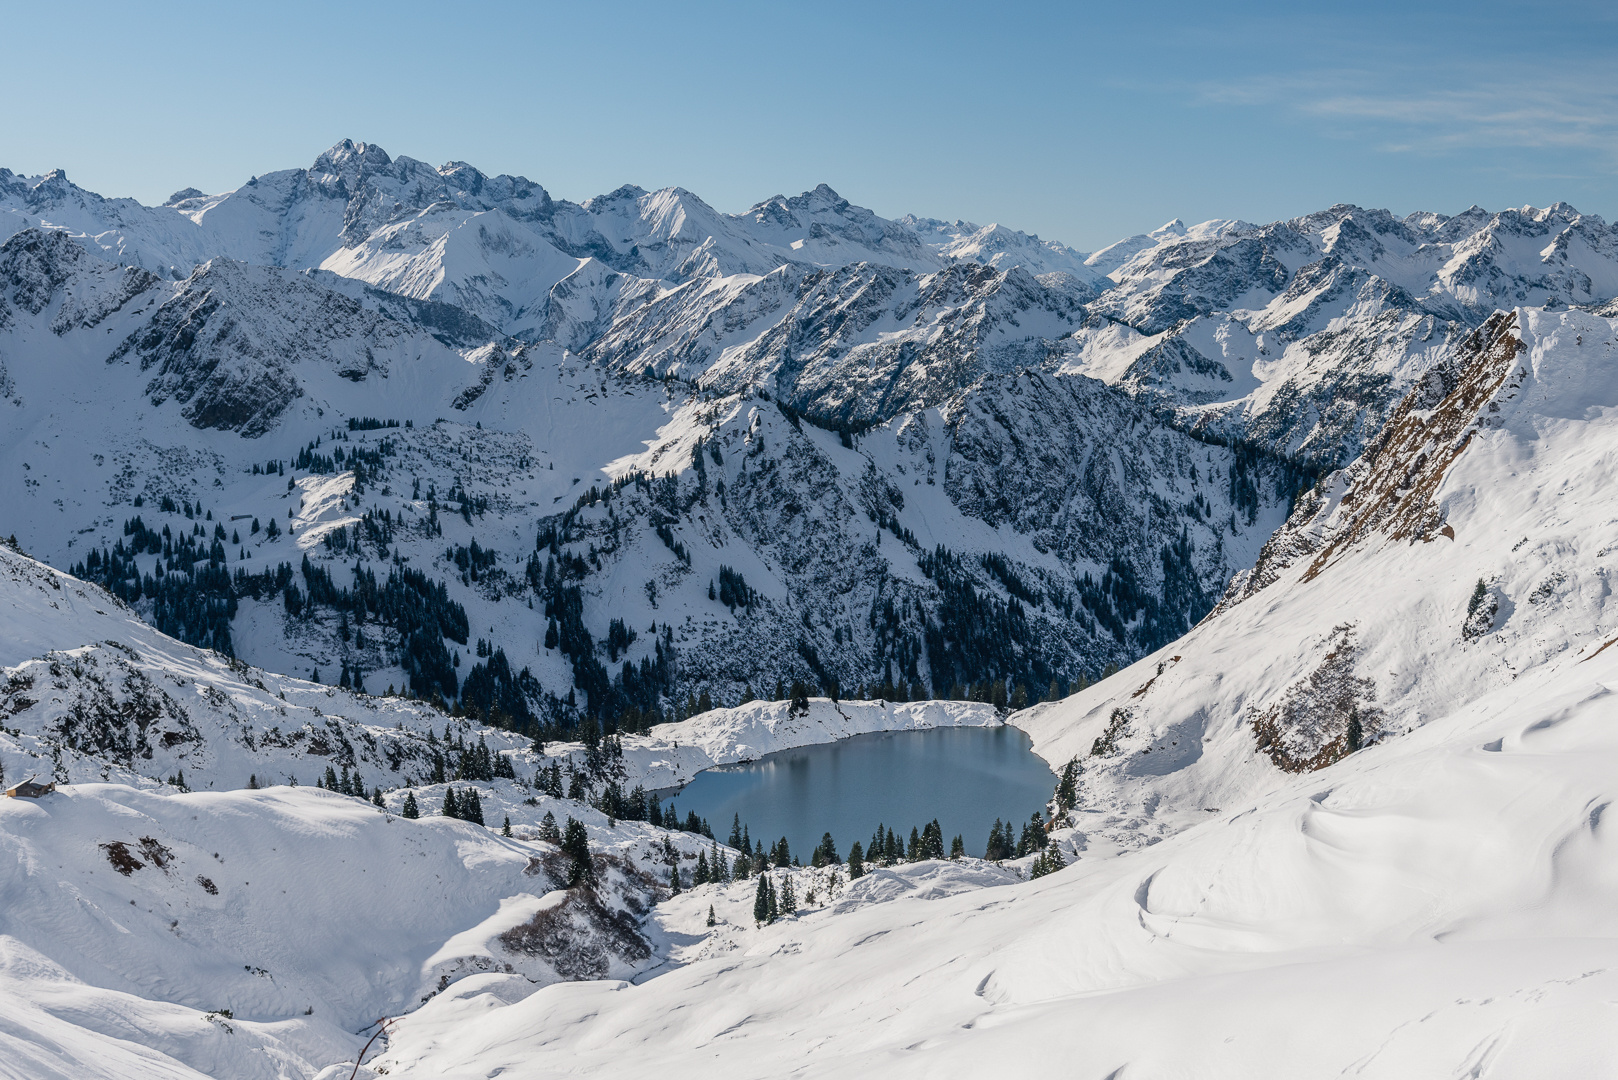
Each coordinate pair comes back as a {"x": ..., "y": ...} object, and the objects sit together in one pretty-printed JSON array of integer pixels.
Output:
[{"x": 964, "y": 777}]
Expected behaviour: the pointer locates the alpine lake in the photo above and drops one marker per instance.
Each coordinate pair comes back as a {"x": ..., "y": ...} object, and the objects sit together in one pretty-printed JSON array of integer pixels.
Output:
[{"x": 966, "y": 777}]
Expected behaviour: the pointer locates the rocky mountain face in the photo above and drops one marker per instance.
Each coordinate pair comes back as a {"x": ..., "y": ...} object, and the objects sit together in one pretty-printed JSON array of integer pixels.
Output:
[
  {"x": 1425, "y": 575},
  {"x": 642, "y": 450},
  {"x": 1301, "y": 335}
]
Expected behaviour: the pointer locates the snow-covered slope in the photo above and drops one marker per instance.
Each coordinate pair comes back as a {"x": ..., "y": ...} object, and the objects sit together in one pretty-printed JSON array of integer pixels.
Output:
[
  {"x": 1436, "y": 905},
  {"x": 1378, "y": 809},
  {"x": 1468, "y": 546}
]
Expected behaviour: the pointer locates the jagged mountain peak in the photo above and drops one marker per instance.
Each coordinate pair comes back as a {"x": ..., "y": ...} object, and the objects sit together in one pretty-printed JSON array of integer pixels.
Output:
[
  {"x": 621, "y": 194},
  {"x": 348, "y": 156}
]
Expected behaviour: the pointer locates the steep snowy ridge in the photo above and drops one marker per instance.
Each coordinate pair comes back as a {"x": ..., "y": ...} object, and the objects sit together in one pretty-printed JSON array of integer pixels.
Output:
[{"x": 1465, "y": 548}]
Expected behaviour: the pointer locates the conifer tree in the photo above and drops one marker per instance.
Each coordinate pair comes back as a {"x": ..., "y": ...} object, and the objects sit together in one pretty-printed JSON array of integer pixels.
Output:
[
  {"x": 761, "y": 901},
  {"x": 957, "y": 847},
  {"x": 505, "y": 830},
  {"x": 735, "y": 840},
  {"x": 1067, "y": 790},
  {"x": 548, "y": 829},
  {"x": 576, "y": 846},
  {"x": 376, "y": 797},
  {"x": 700, "y": 875},
  {"x": 471, "y": 806},
  {"x": 773, "y": 910},
  {"x": 789, "y": 898},
  {"x": 411, "y": 810},
  {"x": 452, "y": 807},
  {"x": 999, "y": 847},
  {"x": 711, "y": 919},
  {"x": 856, "y": 862},
  {"x": 674, "y": 880}
]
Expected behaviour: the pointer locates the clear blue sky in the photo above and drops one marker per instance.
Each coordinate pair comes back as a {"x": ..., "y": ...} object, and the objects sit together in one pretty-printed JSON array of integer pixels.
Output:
[{"x": 1083, "y": 123}]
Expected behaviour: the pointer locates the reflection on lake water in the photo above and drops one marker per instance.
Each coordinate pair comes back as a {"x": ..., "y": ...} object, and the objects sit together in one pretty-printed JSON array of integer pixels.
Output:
[{"x": 964, "y": 777}]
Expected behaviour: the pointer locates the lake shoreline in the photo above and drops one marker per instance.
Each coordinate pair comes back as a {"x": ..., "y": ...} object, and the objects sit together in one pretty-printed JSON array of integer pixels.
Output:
[{"x": 669, "y": 756}]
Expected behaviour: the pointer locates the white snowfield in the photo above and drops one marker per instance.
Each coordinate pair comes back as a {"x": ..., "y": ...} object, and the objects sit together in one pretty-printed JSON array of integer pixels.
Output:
[
  {"x": 1440, "y": 902},
  {"x": 1441, "y": 905}
]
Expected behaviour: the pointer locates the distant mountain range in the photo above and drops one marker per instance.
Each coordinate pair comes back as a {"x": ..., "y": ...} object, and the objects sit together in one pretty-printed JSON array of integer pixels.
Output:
[{"x": 934, "y": 454}]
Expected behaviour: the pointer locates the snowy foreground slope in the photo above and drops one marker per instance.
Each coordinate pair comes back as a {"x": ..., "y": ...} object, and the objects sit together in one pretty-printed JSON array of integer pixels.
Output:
[
  {"x": 1440, "y": 902},
  {"x": 240, "y": 931}
]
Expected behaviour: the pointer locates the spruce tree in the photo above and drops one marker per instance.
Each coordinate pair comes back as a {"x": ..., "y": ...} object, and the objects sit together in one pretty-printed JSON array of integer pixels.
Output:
[
  {"x": 548, "y": 829},
  {"x": 772, "y": 910},
  {"x": 957, "y": 847},
  {"x": 1067, "y": 791},
  {"x": 718, "y": 867},
  {"x": 711, "y": 919},
  {"x": 856, "y": 862},
  {"x": 789, "y": 897},
  {"x": 700, "y": 875},
  {"x": 735, "y": 839},
  {"x": 576, "y": 846},
  {"x": 761, "y": 901},
  {"x": 452, "y": 807},
  {"x": 674, "y": 880},
  {"x": 505, "y": 830},
  {"x": 995, "y": 850},
  {"x": 472, "y": 806},
  {"x": 411, "y": 810}
]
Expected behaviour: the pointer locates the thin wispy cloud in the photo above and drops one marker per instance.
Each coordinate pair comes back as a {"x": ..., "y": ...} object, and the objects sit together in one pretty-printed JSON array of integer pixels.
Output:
[{"x": 1442, "y": 111}]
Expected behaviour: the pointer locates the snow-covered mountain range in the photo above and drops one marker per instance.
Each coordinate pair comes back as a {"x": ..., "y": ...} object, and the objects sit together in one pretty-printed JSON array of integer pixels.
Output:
[
  {"x": 1352, "y": 822},
  {"x": 801, "y": 403}
]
